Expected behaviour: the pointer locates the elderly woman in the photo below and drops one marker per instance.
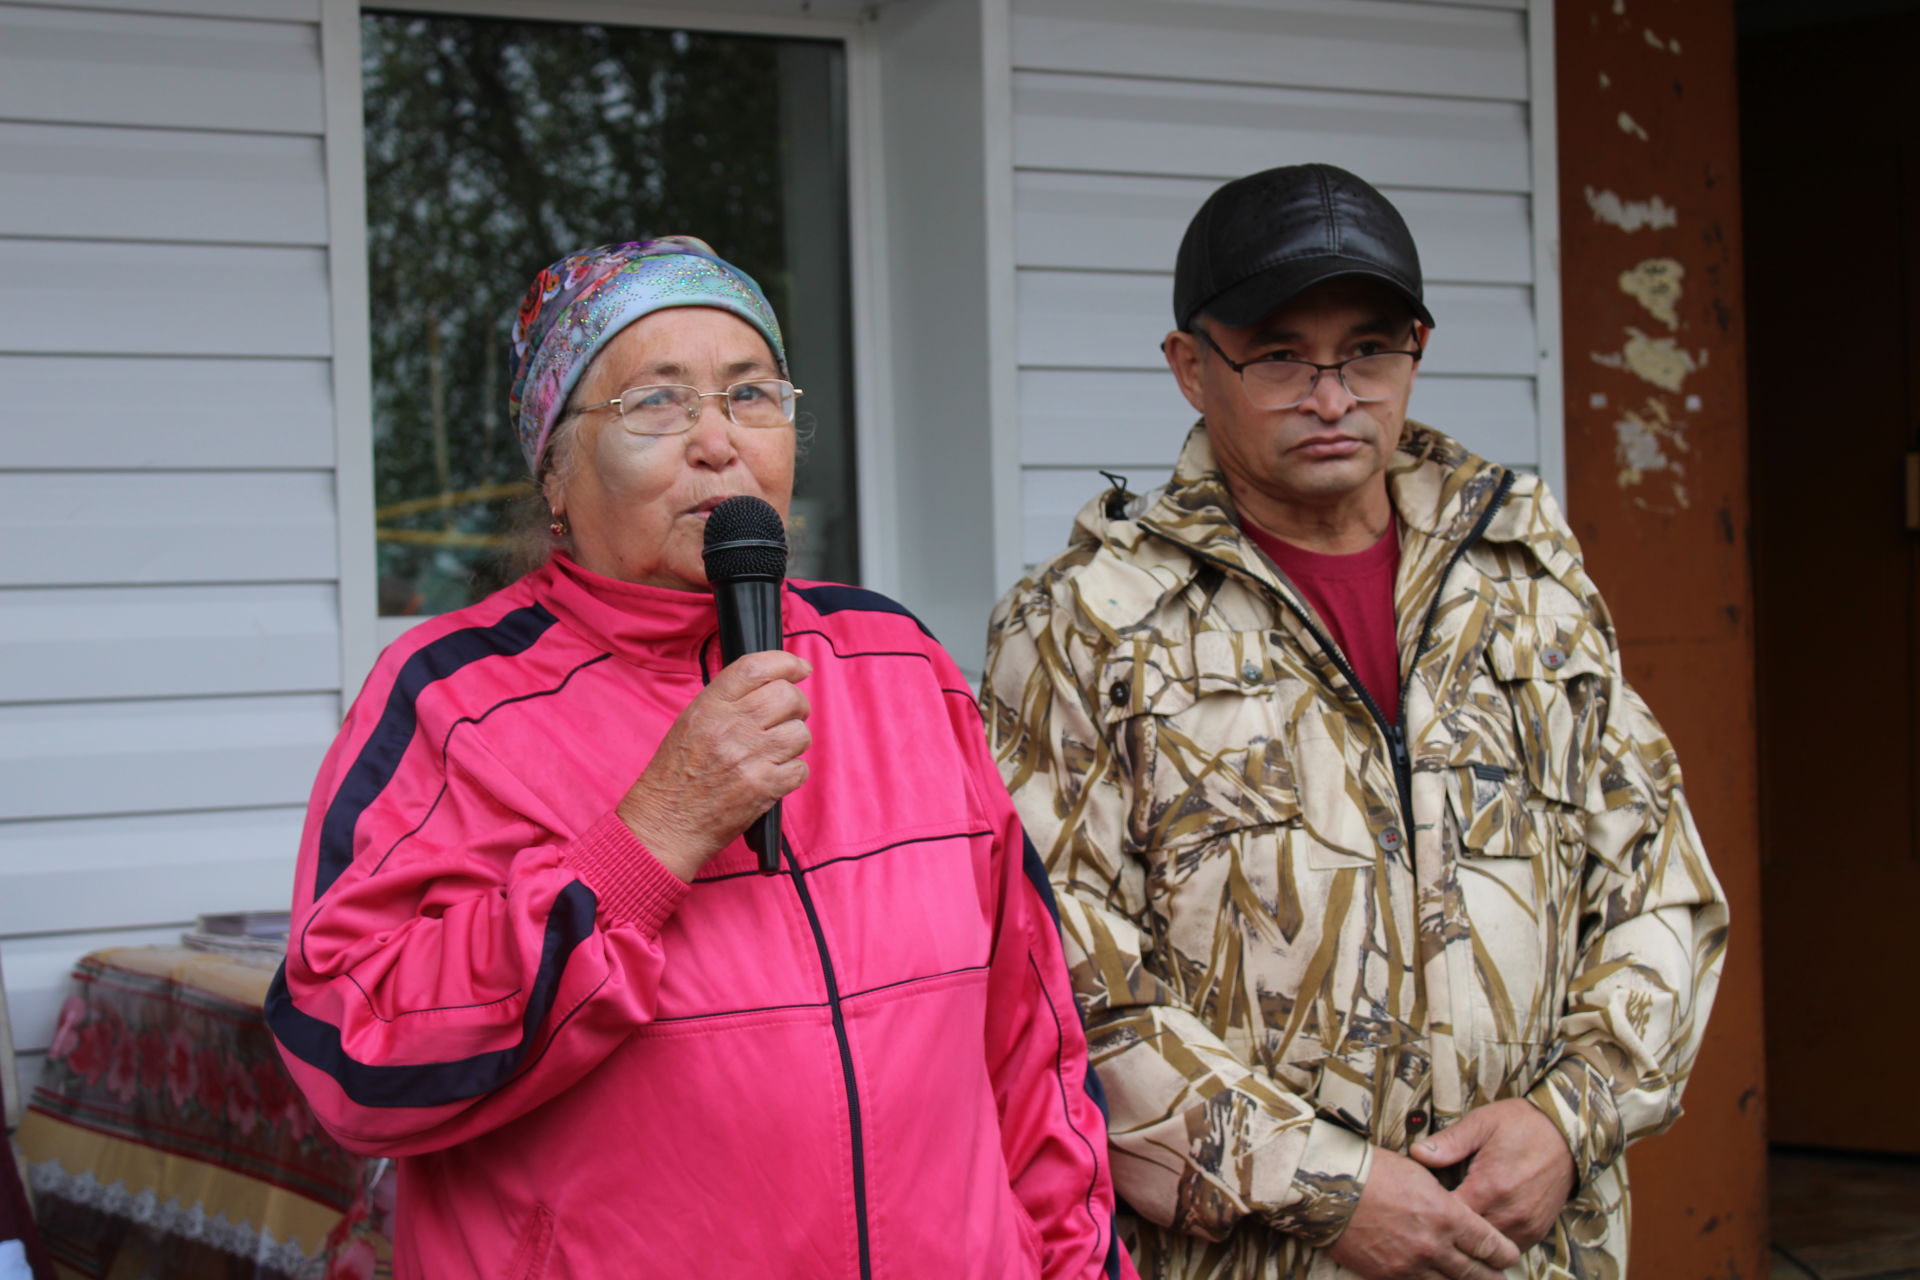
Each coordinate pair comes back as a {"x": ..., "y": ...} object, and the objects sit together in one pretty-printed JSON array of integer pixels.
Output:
[{"x": 532, "y": 955}]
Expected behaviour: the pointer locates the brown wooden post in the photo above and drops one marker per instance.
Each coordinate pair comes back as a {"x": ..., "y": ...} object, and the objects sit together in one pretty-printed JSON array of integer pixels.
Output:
[{"x": 1656, "y": 459}]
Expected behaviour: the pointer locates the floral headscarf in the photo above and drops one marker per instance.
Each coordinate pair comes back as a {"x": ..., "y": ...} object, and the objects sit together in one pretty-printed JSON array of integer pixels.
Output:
[{"x": 581, "y": 301}]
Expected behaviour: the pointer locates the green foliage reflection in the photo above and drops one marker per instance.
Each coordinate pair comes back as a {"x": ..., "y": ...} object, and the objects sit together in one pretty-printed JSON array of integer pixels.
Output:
[{"x": 492, "y": 148}]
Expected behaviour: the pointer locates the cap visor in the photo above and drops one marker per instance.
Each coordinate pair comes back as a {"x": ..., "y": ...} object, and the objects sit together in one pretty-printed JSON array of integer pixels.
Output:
[{"x": 1254, "y": 299}]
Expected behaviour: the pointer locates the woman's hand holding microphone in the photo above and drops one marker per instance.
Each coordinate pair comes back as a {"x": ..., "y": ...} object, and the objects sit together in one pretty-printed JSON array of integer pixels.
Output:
[{"x": 729, "y": 756}]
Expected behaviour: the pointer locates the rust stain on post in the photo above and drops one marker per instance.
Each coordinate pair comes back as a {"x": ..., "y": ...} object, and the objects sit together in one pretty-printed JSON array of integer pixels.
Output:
[{"x": 1657, "y": 490}]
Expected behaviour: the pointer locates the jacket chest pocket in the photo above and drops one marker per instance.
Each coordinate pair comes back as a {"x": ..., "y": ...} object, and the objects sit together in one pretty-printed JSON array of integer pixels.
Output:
[
  {"x": 1199, "y": 727},
  {"x": 1553, "y": 674},
  {"x": 1523, "y": 771}
]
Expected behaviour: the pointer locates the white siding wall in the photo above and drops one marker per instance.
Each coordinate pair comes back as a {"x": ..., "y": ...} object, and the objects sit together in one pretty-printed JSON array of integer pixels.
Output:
[
  {"x": 1126, "y": 114},
  {"x": 184, "y": 459},
  {"x": 170, "y": 641}
]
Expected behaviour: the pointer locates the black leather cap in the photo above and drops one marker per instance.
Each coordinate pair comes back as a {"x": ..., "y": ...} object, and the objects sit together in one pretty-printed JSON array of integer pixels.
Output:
[{"x": 1260, "y": 240}]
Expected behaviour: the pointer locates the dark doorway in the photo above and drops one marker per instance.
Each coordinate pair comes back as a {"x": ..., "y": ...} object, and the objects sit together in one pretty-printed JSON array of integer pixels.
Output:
[
  {"x": 1831, "y": 175},
  {"x": 1831, "y": 193}
]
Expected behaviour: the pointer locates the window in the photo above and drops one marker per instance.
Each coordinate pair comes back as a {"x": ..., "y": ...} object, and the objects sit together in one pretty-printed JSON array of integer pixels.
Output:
[{"x": 493, "y": 147}]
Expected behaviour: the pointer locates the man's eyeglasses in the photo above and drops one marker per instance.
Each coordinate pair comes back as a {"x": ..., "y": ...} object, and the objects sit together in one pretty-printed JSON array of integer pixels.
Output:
[
  {"x": 671, "y": 408},
  {"x": 1272, "y": 382}
]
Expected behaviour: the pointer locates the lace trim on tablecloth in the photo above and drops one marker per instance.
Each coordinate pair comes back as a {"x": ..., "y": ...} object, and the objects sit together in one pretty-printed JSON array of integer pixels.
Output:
[{"x": 241, "y": 1239}]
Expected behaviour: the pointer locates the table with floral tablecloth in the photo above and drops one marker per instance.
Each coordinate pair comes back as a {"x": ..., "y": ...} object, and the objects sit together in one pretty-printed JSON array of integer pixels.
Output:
[{"x": 165, "y": 1138}]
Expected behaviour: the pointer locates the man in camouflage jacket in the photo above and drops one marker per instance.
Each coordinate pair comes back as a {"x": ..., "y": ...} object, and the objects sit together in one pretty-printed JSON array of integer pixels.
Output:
[{"x": 1370, "y": 994}]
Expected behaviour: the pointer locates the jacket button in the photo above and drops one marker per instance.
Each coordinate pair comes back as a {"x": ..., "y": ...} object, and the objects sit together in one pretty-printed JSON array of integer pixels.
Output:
[
  {"x": 1120, "y": 694},
  {"x": 1416, "y": 1121},
  {"x": 1251, "y": 673},
  {"x": 1553, "y": 659},
  {"x": 1389, "y": 839}
]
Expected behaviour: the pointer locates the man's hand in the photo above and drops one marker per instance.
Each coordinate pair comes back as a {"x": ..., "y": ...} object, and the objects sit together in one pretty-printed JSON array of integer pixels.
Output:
[
  {"x": 1407, "y": 1227},
  {"x": 1522, "y": 1172}
]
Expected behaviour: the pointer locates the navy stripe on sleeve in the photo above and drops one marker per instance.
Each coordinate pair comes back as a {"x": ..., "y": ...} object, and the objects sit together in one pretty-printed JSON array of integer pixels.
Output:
[
  {"x": 380, "y": 758},
  {"x": 433, "y": 1084},
  {"x": 1098, "y": 1093},
  {"x": 1037, "y": 876},
  {"x": 831, "y": 597},
  {"x": 1036, "y": 871}
]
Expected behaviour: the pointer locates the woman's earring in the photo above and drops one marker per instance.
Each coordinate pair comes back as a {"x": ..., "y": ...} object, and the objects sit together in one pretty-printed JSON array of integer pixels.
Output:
[{"x": 559, "y": 526}]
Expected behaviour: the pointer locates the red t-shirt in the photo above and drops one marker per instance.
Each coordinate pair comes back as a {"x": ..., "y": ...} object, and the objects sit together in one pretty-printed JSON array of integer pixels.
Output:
[{"x": 1353, "y": 594}]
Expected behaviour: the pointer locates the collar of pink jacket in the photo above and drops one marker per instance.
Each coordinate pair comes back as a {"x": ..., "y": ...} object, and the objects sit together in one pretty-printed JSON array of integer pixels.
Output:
[{"x": 655, "y": 627}]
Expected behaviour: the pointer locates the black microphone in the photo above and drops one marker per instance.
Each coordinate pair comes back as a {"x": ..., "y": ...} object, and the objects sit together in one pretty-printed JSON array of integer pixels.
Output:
[{"x": 746, "y": 558}]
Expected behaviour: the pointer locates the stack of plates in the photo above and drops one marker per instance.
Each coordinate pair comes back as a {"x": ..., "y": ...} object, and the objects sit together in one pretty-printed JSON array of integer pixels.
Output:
[{"x": 241, "y": 933}]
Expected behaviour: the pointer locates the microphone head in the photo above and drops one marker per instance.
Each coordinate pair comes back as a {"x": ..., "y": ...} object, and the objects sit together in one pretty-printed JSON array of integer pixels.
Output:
[{"x": 745, "y": 539}]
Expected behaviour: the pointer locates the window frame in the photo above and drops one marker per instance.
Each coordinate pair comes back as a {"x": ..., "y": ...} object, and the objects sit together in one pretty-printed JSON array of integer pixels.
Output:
[{"x": 363, "y": 632}]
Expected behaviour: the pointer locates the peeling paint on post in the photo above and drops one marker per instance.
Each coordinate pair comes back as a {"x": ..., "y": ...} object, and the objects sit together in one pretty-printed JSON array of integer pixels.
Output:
[
  {"x": 1657, "y": 489},
  {"x": 1656, "y": 284},
  {"x": 1629, "y": 215}
]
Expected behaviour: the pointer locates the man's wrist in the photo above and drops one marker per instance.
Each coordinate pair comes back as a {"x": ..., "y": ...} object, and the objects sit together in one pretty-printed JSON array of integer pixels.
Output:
[
  {"x": 1327, "y": 1185},
  {"x": 1578, "y": 1098}
]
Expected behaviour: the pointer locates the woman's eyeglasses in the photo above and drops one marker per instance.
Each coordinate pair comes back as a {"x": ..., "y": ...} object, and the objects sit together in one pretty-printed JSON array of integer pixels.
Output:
[{"x": 672, "y": 408}]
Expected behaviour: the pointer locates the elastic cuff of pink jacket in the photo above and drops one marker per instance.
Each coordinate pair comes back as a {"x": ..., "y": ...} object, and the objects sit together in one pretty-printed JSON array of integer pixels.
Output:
[
  {"x": 631, "y": 885},
  {"x": 1578, "y": 1098},
  {"x": 1326, "y": 1187}
]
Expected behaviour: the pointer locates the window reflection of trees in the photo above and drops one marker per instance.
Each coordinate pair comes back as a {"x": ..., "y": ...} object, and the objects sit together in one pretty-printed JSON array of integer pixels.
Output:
[{"x": 492, "y": 147}]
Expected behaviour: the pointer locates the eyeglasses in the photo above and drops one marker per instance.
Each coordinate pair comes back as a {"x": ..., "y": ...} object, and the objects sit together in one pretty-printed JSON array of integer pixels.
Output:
[
  {"x": 1273, "y": 382},
  {"x": 671, "y": 408}
]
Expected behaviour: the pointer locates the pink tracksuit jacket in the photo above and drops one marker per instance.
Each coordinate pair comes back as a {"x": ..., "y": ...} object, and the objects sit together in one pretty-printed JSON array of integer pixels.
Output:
[{"x": 867, "y": 1065}]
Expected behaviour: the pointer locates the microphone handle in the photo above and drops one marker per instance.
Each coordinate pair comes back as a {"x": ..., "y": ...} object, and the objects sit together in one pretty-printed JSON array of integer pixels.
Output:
[
  {"x": 763, "y": 837},
  {"x": 749, "y": 610}
]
